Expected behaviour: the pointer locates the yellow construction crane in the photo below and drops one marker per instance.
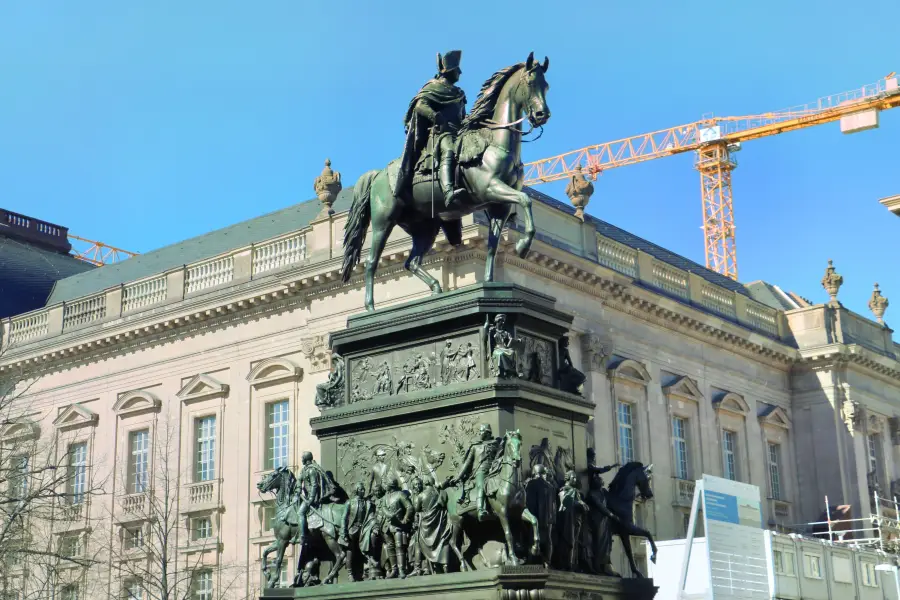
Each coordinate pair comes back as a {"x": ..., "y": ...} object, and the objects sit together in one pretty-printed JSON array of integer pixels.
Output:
[
  {"x": 715, "y": 139},
  {"x": 97, "y": 253}
]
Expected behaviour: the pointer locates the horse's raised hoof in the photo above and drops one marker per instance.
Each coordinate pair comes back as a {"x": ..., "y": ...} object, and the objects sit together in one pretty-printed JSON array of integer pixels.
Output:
[
  {"x": 522, "y": 247},
  {"x": 436, "y": 289},
  {"x": 513, "y": 561},
  {"x": 535, "y": 550},
  {"x": 653, "y": 558}
]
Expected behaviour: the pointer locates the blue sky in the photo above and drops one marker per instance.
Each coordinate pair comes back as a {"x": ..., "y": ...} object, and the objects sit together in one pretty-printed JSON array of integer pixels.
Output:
[{"x": 141, "y": 124}]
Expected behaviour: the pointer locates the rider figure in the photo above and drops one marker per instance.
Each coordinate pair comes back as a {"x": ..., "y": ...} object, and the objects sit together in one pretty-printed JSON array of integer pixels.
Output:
[
  {"x": 440, "y": 106},
  {"x": 478, "y": 461},
  {"x": 313, "y": 487}
]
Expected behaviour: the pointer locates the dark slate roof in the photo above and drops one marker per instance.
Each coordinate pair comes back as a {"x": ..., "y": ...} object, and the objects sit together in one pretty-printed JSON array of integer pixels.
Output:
[
  {"x": 764, "y": 410},
  {"x": 28, "y": 272},
  {"x": 633, "y": 241},
  {"x": 299, "y": 216},
  {"x": 194, "y": 249},
  {"x": 767, "y": 294}
]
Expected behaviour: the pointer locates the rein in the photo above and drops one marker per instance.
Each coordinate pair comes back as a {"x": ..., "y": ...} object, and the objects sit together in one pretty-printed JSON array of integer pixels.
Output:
[{"x": 512, "y": 127}]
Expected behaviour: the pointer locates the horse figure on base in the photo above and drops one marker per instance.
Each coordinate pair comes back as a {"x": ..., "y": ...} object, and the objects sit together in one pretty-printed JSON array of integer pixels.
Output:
[
  {"x": 620, "y": 501},
  {"x": 505, "y": 501},
  {"x": 281, "y": 482},
  {"x": 491, "y": 174}
]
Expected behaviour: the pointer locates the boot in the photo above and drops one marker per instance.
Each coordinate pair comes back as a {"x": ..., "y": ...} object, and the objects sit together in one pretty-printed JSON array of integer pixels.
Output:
[
  {"x": 401, "y": 563},
  {"x": 480, "y": 504},
  {"x": 447, "y": 171}
]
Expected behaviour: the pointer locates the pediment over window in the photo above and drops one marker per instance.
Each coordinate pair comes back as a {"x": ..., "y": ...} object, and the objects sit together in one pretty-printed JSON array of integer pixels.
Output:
[
  {"x": 136, "y": 401},
  {"x": 272, "y": 370},
  {"x": 684, "y": 388},
  {"x": 76, "y": 415},
  {"x": 22, "y": 429},
  {"x": 630, "y": 370},
  {"x": 731, "y": 402},
  {"x": 774, "y": 416},
  {"x": 202, "y": 386}
]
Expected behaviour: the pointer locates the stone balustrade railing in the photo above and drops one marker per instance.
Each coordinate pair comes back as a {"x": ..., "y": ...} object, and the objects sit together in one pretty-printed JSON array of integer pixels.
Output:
[
  {"x": 298, "y": 247},
  {"x": 684, "y": 492},
  {"x": 689, "y": 287},
  {"x": 134, "y": 504},
  {"x": 203, "y": 492},
  {"x": 134, "y": 297}
]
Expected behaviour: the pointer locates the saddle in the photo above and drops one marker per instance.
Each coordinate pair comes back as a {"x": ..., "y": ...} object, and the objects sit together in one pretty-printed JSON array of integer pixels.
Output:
[{"x": 470, "y": 147}]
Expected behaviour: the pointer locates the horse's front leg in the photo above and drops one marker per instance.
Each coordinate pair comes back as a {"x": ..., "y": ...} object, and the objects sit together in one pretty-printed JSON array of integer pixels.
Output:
[
  {"x": 497, "y": 191},
  {"x": 339, "y": 556},
  {"x": 279, "y": 546},
  {"x": 535, "y": 531},
  {"x": 495, "y": 228},
  {"x": 511, "y": 559},
  {"x": 455, "y": 535}
]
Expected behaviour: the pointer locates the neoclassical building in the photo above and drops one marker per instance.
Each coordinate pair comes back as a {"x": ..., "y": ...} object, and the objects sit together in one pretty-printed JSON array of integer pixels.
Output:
[{"x": 213, "y": 347}]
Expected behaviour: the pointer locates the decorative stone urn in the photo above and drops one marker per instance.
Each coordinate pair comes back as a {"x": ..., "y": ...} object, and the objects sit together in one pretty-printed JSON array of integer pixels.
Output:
[
  {"x": 579, "y": 191},
  {"x": 878, "y": 304},
  {"x": 832, "y": 282},
  {"x": 327, "y": 187}
]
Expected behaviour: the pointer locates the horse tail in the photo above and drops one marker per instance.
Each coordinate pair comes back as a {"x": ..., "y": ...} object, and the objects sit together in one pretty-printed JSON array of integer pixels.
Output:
[{"x": 357, "y": 223}]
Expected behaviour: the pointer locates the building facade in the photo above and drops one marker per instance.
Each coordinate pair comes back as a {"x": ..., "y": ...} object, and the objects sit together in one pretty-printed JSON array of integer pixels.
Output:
[{"x": 192, "y": 369}]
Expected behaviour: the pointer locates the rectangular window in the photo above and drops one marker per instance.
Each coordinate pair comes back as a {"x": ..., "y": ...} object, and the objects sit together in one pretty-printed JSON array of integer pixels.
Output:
[
  {"x": 134, "y": 590},
  {"x": 873, "y": 444},
  {"x": 268, "y": 518},
  {"x": 134, "y": 538},
  {"x": 784, "y": 562},
  {"x": 775, "y": 470},
  {"x": 139, "y": 450},
  {"x": 201, "y": 528},
  {"x": 868, "y": 574},
  {"x": 69, "y": 592},
  {"x": 626, "y": 432},
  {"x": 729, "y": 449},
  {"x": 277, "y": 417},
  {"x": 203, "y": 585},
  {"x": 680, "y": 447},
  {"x": 206, "y": 448},
  {"x": 18, "y": 481},
  {"x": 70, "y": 546},
  {"x": 812, "y": 566},
  {"x": 77, "y": 472}
]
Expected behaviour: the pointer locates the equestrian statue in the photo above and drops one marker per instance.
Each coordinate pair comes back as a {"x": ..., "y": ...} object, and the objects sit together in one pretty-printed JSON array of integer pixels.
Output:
[{"x": 422, "y": 191}]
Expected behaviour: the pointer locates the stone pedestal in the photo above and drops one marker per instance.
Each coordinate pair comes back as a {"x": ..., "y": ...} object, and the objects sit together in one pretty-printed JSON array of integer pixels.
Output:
[
  {"x": 504, "y": 583},
  {"x": 434, "y": 402},
  {"x": 418, "y": 383}
]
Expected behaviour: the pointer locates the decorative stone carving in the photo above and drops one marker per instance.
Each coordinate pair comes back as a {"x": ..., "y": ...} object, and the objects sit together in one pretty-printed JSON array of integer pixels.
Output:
[
  {"x": 579, "y": 191},
  {"x": 331, "y": 393},
  {"x": 878, "y": 304},
  {"x": 503, "y": 356},
  {"x": 595, "y": 351},
  {"x": 415, "y": 374},
  {"x": 851, "y": 413},
  {"x": 832, "y": 282},
  {"x": 875, "y": 424},
  {"x": 316, "y": 350},
  {"x": 327, "y": 187}
]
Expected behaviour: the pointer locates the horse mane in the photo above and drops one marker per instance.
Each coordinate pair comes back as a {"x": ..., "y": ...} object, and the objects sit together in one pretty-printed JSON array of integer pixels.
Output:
[
  {"x": 622, "y": 476},
  {"x": 483, "y": 109}
]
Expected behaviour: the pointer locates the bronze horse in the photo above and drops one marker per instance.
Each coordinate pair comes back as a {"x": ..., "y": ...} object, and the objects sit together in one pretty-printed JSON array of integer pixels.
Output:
[
  {"x": 505, "y": 496},
  {"x": 620, "y": 501},
  {"x": 492, "y": 181},
  {"x": 281, "y": 482}
]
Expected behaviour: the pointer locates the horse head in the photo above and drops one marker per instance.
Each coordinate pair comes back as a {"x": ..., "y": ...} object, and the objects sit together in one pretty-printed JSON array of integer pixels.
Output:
[
  {"x": 632, "y": 475},
  {"x": 279, "y": 479},
  {"x": 512, "y": 447},
  {"x": 533, "y": 95}
]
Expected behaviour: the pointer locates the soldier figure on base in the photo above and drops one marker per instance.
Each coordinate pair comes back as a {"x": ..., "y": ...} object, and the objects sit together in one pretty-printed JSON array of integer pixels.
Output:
[
  {"x": 439, "y": 107},
  {"x": 395, "y": 533},
  {"x": 477, "y": 462},
  {"x": 313, "y": 488}
]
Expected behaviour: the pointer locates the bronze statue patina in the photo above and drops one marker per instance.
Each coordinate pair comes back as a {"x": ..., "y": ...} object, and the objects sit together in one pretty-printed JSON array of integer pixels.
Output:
[
  {"x": 435, "y": 114},
  {"x": 358, "y": 510},
  {"x": 489, "y": 141},
  {"x": 503, "y": 495},
  {"x": 542, "y": 502},
  {"x": 570, "y": 379},
  {"x": 399, "y": 513},
  {"x": 500, "y": 342},
  {"x": 598, "y": 541},
  {"x": 570, "y": 520},
  {"x": 620, "y": 501},
  {"x": 329, "y": 393}
]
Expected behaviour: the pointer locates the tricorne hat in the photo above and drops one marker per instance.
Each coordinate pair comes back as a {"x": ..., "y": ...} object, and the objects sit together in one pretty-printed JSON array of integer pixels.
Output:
[{"x": 449, "y": 61}]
